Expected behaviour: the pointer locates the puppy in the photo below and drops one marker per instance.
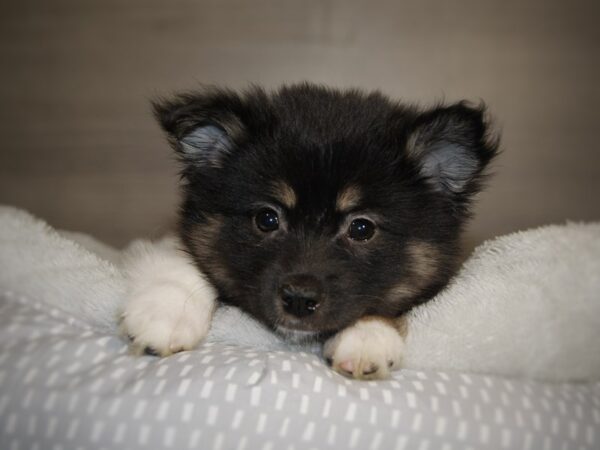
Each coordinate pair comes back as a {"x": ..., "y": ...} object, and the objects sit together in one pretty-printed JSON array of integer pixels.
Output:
[{"x": 325, "y": 214}]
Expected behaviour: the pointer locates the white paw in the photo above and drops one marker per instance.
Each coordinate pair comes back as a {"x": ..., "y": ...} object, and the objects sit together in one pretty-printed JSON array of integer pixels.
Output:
[
  {"x": 169, "y": 305},
  {"x": 369, "y": 349},
  {"x": 165, "y": 318}
]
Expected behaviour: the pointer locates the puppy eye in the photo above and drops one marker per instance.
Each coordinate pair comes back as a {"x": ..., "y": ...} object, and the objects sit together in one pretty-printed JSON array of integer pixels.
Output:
[
  {"x": 267, "y": 220},
  {"x": 361, "y": 230}
]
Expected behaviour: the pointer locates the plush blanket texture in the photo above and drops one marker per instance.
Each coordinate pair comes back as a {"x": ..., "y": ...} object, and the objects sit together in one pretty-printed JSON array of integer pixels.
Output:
[{"x": 525, "y": 304}]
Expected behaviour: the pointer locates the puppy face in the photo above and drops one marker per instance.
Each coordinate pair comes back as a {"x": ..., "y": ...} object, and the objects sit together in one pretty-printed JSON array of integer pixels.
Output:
[{"x": 310, "y": 207}]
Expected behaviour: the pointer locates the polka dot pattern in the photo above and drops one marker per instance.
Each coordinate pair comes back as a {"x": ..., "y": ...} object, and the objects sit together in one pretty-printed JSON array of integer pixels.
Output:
[{"x": 64, "y": 386}]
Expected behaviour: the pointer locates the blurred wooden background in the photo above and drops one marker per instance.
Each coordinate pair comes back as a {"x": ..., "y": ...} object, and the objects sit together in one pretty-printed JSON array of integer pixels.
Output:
[{"x": 79, "y": 146}]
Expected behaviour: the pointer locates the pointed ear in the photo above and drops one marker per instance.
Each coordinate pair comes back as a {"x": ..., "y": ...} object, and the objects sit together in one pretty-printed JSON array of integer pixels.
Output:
[
  {"x": 203, "y": 128},
  {"x": 452, "y": 146}
]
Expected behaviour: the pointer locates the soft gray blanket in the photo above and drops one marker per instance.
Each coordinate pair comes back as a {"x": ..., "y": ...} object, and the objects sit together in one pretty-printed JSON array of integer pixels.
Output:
[{"x": 521, "y": 304}]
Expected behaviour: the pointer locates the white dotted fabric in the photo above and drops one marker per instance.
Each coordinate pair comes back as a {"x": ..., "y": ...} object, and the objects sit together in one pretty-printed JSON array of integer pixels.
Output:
[{"x": 64, "y": 386}]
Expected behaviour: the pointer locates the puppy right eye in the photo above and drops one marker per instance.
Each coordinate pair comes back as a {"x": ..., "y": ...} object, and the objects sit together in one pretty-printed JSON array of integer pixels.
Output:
[
  {"x": 267, "y": 220},
  {"x": 361, "y": 230}
]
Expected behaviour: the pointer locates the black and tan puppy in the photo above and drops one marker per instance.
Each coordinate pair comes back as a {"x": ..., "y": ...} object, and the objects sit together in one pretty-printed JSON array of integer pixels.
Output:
[{"x": 325, "y": 214}]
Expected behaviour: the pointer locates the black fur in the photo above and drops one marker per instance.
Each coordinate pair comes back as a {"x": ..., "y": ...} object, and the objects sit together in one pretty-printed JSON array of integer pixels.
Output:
[{"x": 417, "y": 172}]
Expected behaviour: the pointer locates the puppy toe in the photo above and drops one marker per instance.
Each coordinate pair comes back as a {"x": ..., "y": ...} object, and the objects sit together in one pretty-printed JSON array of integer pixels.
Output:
[{"x": 346, "y": 366}]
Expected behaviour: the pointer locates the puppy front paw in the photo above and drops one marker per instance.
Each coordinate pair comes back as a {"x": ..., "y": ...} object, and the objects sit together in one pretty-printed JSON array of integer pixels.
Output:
[
  {"x": 369, "y": 349},
  {"x": 167, "y": 317}
]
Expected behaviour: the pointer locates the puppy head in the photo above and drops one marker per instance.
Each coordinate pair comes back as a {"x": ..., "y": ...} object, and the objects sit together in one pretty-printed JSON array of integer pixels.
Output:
[{"x": 311, "y": 207}]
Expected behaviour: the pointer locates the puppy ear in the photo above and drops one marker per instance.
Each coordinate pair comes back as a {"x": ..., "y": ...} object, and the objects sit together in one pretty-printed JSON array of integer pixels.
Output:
[
  {"x": 205, "y": 145},
  {"x": 452, "y": 146},
  {"x": 203, "y": 128}
]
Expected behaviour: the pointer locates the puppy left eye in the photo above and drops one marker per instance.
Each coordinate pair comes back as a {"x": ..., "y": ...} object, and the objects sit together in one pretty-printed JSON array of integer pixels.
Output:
[
  {"x": 361, "y": 230},
  {"x": 267, "y": 220}
]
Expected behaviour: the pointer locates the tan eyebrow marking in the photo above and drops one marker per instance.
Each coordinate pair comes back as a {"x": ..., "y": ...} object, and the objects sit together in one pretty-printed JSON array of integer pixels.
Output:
[
  {"x": 348, "y": 198},
  {"x": 284, "y": 193}
]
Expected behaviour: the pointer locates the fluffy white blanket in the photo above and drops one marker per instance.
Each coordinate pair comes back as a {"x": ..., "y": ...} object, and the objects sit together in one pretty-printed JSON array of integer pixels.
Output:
[{"x": 525, "y": 304}]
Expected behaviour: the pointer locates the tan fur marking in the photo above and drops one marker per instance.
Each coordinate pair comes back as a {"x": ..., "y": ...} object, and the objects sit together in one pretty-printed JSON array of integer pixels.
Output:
[
  {"x": 424, "y": 262},
  {"x": 203, "y": 241},
  {"x": 414, "y": 145},
  {"x": 206, "y": 233},
  {"x": 284, "y": 193},
  {"x": 403, "y": 290},
  {"x": 425, "y": 259},
  {"x": 402, "y": 326},
  {"x": 348, "y": 198}
]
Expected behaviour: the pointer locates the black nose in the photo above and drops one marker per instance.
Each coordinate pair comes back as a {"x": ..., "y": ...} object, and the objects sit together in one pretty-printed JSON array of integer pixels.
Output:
[{"x": 300, "y": 295}]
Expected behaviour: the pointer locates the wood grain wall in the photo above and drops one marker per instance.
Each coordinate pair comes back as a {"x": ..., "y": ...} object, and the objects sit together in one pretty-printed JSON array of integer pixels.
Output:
[{"x": 78, "y": 145}]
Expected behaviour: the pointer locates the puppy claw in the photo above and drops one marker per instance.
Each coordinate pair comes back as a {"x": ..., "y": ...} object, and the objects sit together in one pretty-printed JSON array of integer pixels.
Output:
[
  {"x": 370, "y": 370},
  {"x": 151, "y": 352}
]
